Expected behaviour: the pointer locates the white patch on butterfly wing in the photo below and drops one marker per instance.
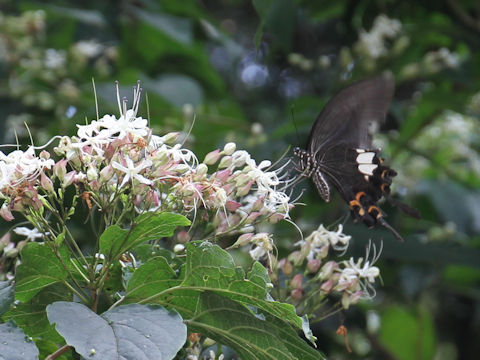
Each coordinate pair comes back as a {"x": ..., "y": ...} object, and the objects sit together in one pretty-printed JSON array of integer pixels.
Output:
[
  {"x": 365, "y": 157},
  {"x": 367, "y": 169}
]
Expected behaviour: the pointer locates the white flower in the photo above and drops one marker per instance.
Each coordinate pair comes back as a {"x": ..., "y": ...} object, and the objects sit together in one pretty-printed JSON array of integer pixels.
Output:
[
  {"x": 54, "y": 59},
  {"x": 89, "y": 48},
  {"x": 128, "y": 123},
  {"x": 264, "y": 245},
  {"x": 133, "y": 172},
  {"x": 30, "y": 234},
  {"x": 321, "y": 239}
]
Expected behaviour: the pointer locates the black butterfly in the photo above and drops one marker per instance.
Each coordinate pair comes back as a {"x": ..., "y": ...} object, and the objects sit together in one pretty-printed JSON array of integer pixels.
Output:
[{"x": 339, "y": 151}]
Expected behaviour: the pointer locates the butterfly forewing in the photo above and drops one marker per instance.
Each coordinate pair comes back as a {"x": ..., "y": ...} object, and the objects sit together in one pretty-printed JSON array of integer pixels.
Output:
[{"x": 347, "y": 117}]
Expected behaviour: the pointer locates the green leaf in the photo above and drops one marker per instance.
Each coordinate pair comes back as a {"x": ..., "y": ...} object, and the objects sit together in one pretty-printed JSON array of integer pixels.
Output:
[
  {"x": 15, "y": 345},
  {"x": 115, "y": 240},
  {"x": 252, "y": 337},
  {"x": 408, "y": 335},
  {"x": 126, "y": 332},
  {"x": 32, "y": 317},
  {"x": 149, "y": 279},
  {"x": 209, "y": 267},
  {"x": 6, "y": 296},
  {"x": 40, "y": 268}
]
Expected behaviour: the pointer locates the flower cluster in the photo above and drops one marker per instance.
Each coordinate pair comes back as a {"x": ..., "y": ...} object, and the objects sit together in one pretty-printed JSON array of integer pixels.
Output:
[
  {"x": 121, "y": 169},
  {"x": 351, "y": 279},
  {"x": 373, "y": 43}
]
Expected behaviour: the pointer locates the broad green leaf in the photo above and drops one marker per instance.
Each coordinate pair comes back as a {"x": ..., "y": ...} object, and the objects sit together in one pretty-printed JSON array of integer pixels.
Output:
[
  {"x": 408, "y": 335},
  {"x": 115, "y": 241},
  {"x": 40, "y": 268},
  {"x": 209, "y": 267},
  {"x": 31, "y": 316},
  {"x": 149, "y": 279},
  {"x": 15, "y": 345},
  {"x": 126, "y": 332},
  {"x": 252, "y": 337},
  {"x": 6, "y": 296}
]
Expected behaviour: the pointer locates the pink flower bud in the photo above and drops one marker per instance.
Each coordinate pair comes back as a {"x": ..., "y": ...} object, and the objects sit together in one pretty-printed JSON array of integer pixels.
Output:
[
  {"x": 244, "y": 239},
  {"x": 232, "y": 205},
  {"x": 242, "y": 179},
  {"x": 313, "y": 265},
  {"x": 296, "y": 282},
  {"x": 60, "y": 169},
  {"x": 223, "y": 175},
  {"x": 296, "y": 294},
  {"x": 327, "y": 286},
  {"x": 69, "y": 178},
  {"x": 44, "y": 155},
  {"x": 273, "y": 219},
  {"x": 258, "y": 204},
  {"x": 286, "y": 266},
  {"x": 212, "y": 157},
  {"x": 106, "y": 173},
  {"x": 244, "y": 190},
  {"x": 252, "y": 217},
  {"x": 183, "y": 237},
  {"x": 46, "y": 183},
  {"x": 328, "y": 269},
  {"x": 6, "y": 213}
]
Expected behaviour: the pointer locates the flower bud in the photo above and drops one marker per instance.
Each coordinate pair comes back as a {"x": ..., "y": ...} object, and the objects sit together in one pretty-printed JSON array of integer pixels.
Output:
[
  {"x": 328, "y": 269},
  {"x": 212, "y": 157},
  {"x": 202, "y": 169},
  {"x": 225, "y": 162},
  {"x": 274, "y": 218},
  {"x": 106, "y": 173},
  {"x": 46, "y": 183},
  {"x": 313, "y": 265},
  {"x": 170, "y": 137},
  {"x": 11, "y": 252},
  {"x": 178, "y": 248},
  {"x": 243, "y": 239},
  {"x": 232, "y": 205},
  {"x": 69, "y": 178},
  {"x": 296, "y": 282},
  {"x": 252, "y": 217},
  {"x": 183, "y": 237},
  {"x": 6, "y": 213},
  {"x": 296, "y": 257},
  {"x": 229, "y": 148},
  {"x": 45, "y": 155},
  {"x": 60, "y": 169},
  {"x": 223, "y": 175},
  {"x": 296, "y": 294},
  {"x": 286, "y": 266},
  {"x": 327, "y": 286}
]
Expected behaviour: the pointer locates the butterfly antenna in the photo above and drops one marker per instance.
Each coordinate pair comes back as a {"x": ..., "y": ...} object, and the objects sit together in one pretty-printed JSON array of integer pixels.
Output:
[{"x": 389, "y": 227}]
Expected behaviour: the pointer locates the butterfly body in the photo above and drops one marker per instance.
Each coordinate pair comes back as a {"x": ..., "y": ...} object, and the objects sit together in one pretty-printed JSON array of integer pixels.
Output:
[{"x": 339, "y": 150}]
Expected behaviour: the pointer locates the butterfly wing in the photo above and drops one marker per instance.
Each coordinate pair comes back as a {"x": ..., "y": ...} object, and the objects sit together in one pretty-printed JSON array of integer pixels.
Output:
[{"x": 348, "y": 116}]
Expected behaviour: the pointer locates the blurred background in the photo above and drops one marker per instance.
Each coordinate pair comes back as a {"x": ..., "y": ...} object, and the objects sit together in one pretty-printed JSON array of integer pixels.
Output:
[{"x": 252, "y": 71}]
